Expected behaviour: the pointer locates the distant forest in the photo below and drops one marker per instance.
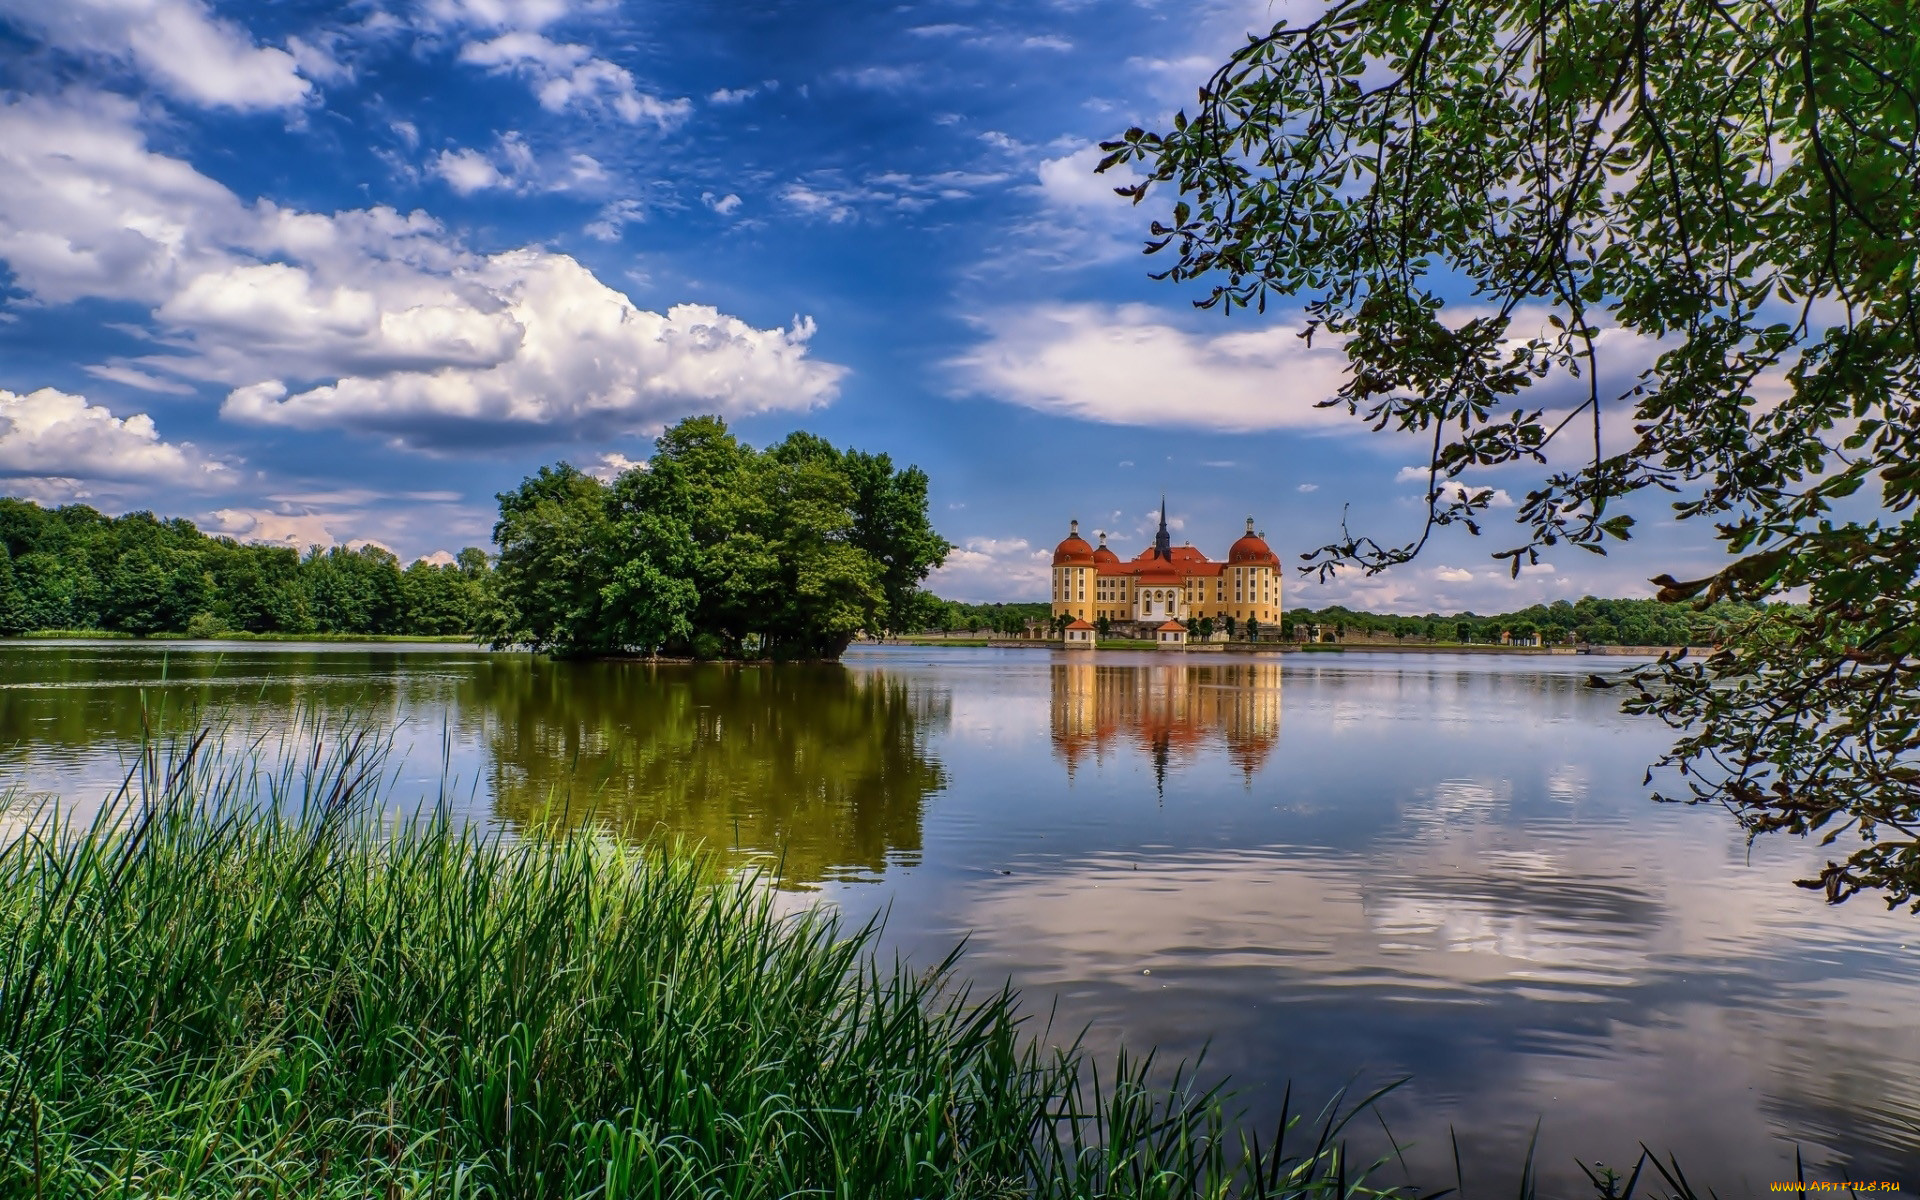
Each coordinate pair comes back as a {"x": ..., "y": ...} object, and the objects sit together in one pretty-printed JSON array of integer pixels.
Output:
[
  {"x": 72, "y": 568},
  {"x": 1592, "y": 620}
]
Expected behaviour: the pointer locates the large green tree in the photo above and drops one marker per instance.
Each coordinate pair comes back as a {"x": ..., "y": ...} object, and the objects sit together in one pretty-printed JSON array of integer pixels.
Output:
[
  {"x": 713, "y": 549},
  {"x": 1469, "y": 197}
]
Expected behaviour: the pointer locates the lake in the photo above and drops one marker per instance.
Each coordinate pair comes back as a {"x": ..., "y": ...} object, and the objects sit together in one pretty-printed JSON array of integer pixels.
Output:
[{"x": 1322, "y": 868}]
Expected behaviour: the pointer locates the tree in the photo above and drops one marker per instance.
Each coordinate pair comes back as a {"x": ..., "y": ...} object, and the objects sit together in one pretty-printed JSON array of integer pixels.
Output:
[
  {"x": 13, "y": 606},
  {"x": 554, "y": 536},
  {"x": 1232, "y": 625},
  {"x": 1730, "y": 183},
  {"x": 716, "y": 549},
  {"x": 1253, "y": 629},
  {"x": 890, "y": 525}
]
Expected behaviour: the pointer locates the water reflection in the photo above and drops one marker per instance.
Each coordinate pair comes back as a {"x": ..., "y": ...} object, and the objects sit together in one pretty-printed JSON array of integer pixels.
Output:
[
  {"x": 1442, "y": 867},
  {"x": 822, "y": 771},
  {"x": 1174, "y": 713}
]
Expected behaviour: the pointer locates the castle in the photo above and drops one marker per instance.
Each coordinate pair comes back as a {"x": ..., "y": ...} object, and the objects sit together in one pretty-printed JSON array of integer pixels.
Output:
[{"x": 1165, "y": 583}]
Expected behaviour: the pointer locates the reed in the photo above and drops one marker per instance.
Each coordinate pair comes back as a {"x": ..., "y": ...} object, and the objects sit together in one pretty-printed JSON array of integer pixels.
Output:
[{"x": 247, "y": 976}]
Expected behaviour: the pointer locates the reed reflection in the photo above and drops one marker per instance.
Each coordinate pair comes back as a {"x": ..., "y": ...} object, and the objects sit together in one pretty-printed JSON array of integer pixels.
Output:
[
  {"x": 1173, "y": 713},
  {"x": 820, "y": 771}
]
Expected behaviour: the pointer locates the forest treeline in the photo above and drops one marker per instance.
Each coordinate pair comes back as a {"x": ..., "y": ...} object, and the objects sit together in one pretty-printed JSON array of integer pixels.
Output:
[
  {"x": 75, "y": 568},
  {"x": 1590, "y": 620}
]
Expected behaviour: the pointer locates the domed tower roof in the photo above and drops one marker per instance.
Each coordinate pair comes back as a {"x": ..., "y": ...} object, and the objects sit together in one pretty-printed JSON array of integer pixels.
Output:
[
  {"x": 1252, "y": 549},
  {"x": 1073, "y": 549},
  {"x": 1103, "y": 555}
]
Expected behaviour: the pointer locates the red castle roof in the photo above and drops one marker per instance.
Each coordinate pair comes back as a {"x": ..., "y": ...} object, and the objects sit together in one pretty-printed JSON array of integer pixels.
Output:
[{"x": 1073, "y": 548}]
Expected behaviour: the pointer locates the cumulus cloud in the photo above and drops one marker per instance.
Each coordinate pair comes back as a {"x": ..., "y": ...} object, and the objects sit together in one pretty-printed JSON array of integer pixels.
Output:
[
  {"x": 179, "y": 46},
  {"x": 1453, "y": 575},
  {"x": 566, "y": 74},
  {"x": 60, "y": 442},
  {"x": 1307, "y": 487},
  {"x": 1128, "y": 365},
  {"x": 371, "y": 318},
  {"x": 586, "y": 359},
  {"x": 987, "y": 569}
]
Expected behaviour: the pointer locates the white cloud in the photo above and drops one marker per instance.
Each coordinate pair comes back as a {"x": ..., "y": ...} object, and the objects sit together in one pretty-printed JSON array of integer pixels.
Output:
[
  {"x": 1307, "y": 487},
  {"x": 567, "y": 74},
  {"x": 732, "y": 95},
  {"x": 1069, "y": 182},
  {"x": 586, "y": 360},
  {"x": 1452, "y": 574},
  {"x": 410, "y": 524},
  {"x": 1453, "y": 490},
  {"x": 1046, "y": 41},
  {"x": 58, "y": 439},
  {"x": 613, "y": 219},
  {"x": 371, "y": 318},
  {"x": 497, "y": 14},
  {"x": 816, "y": 204},
  {"x": 985, "y": 569},
  {"x": 298, "y": 530},
  {"x": 512, "y": 166},
  {"x": 130, "y": 377},
  {"x": 613, "y": 464},
  {"x": 879, "y": 79},
  {"x": 179, "y": 45},
  {"x": 724, "y": 205},
  {"x": 467, "y": 171},
  {"x": 1127, "y": 365}
]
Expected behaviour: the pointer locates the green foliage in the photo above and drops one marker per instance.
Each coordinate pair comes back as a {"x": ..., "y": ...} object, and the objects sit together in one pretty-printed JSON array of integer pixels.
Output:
[
  {"x": 997, "y": 617},
  {"x": 1733, "y": 182},
  {"x": 245, "y": 979},
  {"x": 716, "y": 549},
  {"x": 73, "y": 568}
]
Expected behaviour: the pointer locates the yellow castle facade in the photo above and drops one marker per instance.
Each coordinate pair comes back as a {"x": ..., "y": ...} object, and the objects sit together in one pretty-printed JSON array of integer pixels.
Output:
[{"x": 1166, "y": 582}]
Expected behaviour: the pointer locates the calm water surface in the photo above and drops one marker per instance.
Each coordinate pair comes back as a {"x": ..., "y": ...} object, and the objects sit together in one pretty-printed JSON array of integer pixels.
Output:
[{"x": 1327, "y": 868}]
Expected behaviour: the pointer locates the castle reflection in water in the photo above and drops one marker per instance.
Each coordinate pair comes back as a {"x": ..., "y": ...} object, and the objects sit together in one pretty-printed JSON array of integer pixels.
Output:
[{"x": 1174, "y": 713}]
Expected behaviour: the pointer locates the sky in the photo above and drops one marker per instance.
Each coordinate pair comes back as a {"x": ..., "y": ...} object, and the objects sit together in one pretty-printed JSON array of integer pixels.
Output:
[{"x": 320, "y": 273}]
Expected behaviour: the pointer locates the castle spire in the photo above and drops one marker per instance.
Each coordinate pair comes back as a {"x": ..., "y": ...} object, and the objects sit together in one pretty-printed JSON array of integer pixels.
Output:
[{"x": 1163, "y": 541}]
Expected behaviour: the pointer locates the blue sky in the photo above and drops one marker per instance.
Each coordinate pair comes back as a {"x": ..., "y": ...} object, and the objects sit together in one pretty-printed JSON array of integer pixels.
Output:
[{"x": 322, "y": 273}]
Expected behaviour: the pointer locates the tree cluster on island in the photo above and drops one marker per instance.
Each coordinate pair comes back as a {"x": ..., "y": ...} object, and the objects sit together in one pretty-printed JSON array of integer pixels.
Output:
[
  {"x": 73, "y": 568},
  {"x": 713, "y": 549}
]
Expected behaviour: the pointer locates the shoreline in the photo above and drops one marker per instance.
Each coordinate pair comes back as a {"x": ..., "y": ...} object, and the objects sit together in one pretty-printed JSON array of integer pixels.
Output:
[{"x": 1255, "y": 648}]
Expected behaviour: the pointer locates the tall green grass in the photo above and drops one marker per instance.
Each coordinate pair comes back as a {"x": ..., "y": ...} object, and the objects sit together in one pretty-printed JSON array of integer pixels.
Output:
[
  {"x": 244, "y": 979},
  {"x": 246, "y": 976}
]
